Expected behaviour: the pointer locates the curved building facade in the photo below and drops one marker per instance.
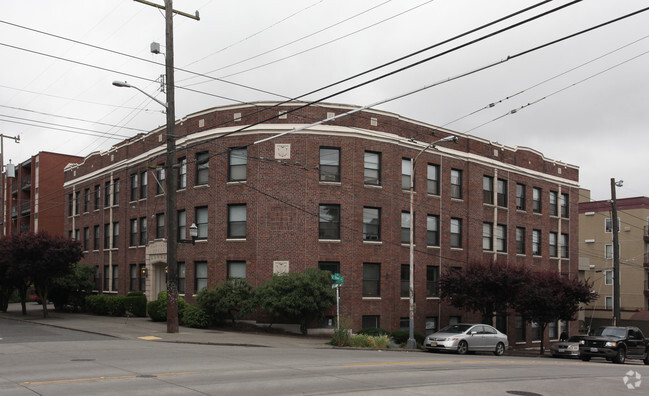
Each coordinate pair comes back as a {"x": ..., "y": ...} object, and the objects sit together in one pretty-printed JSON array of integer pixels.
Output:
[{"x": 334, "y": 196}]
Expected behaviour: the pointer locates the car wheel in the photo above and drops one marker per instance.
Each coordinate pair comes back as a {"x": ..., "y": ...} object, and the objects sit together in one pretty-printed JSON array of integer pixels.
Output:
[
  {"x": 462, "y": 348},
  {"x": 585, "y": 358},
  {"x": 500, "y": 349},
  {"x": 620, "y": 358},
  {"x": 646, "y": 359}
]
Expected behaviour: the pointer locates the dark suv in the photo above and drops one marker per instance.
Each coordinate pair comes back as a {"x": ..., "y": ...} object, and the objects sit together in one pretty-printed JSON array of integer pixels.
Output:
[{"x": 616, "y": 344}]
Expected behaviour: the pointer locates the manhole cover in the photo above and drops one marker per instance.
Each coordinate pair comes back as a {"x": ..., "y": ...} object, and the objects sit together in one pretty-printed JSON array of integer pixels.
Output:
[
  {"x": 82, "y": 360},
  {"x": 523, "y": 393}
]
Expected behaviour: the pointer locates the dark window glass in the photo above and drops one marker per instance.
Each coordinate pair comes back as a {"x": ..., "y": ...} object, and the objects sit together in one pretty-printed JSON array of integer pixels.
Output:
[
  {"x": 405, "y": 280},
  {"x": 371, "y": 280},
  {"x": 238, "y": 165},
  {"x": 432, "y": 182},
  {"x": 520, "y": 196},
  {"x": 329, "y": 222},
  {"x": 203, "y": 168},
  {"x": 432, "y": 281},
  {"x": 371, "y": 224},
  {"x": 432, "y": 230},
  {"x": 329, "y": 164},
  {"x": 237, "y": 219},
  {"x": 456, "y": 183},
  {"x": 488, "y": 190}
]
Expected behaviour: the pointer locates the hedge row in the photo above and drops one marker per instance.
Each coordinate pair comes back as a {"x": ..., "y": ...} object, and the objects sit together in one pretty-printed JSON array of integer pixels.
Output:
[{"x": 103, "y": 304}]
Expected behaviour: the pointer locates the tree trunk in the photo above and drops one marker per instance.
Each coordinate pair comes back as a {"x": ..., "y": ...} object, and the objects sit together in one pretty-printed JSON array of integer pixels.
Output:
[
  {"x": 22, "y": 292},
  {"x": 543, "y": 327},
  {"x": 43, "y": 295}
]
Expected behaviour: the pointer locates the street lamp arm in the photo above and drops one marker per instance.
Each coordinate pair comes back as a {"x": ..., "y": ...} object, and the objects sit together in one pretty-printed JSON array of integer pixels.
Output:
[{"x": 124, "y": 84}]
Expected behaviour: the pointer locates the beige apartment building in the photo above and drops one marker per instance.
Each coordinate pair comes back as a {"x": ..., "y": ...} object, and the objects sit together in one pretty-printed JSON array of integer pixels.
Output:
[{"x": 596, "y": 257}]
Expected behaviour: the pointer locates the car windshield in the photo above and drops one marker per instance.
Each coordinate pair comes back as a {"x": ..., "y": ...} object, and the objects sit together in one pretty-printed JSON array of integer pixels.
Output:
[
  {"x": 456, "y": 328},
  {"x": 618, "y": 332}
]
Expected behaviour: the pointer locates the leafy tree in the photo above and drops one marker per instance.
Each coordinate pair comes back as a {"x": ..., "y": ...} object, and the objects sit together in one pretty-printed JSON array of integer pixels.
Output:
[
  {"x": 72, "y": 288},
  {"x": 552, "y": 297},
  {"x": 297, "y": 296},
  {"x": 483, "y": 287},
  {"x": 231, "y": 299},
  {"x": 42, "y": 258}
]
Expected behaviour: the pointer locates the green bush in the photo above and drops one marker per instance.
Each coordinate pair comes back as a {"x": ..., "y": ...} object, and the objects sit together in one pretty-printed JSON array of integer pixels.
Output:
[
  {"x": 342, "y": 333},
  {"x": 195, "y": 317},
  {"x": 157, "y": 309},
  {"x": 135, "y": 303},
  {"x": 401, "y": 336},
  {"x": 373, "y": 331},
  {"x": 97, "y": 304},
  {"x": 367, "y": 341},
  {"x": 115, "y": 305},
  {"x": 231, "y": 300}
]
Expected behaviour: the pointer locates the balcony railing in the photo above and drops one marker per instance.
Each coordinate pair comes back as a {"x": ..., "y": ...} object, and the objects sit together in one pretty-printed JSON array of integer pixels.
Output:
[{"x": 26, "y": 185}]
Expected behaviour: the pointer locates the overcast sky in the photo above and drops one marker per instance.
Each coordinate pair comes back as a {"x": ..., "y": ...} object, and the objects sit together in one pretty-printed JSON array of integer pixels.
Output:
[{"x": 582, "y": 101}]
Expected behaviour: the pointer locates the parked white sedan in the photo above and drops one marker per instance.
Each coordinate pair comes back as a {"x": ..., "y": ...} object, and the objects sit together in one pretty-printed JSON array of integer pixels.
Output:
[{"x": 466, "y": 337}]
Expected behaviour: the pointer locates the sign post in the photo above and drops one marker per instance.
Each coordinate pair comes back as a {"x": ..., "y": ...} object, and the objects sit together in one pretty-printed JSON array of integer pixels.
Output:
[{"x": 338, "y": 279}]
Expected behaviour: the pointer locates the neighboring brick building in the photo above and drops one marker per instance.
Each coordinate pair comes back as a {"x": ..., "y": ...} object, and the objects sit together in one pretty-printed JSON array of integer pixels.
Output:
[
  {"x": 33, "y": 199},
  {"x": 596, "y": 256},
  {"x": 335, "y": 196}
]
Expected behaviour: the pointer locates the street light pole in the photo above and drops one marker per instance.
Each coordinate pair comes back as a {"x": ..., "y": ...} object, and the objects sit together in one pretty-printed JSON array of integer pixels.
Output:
[
  {"x": 170, "y": 165},
  {"x": 412, "y": 343},
  {"x": 616, "y": 254}
]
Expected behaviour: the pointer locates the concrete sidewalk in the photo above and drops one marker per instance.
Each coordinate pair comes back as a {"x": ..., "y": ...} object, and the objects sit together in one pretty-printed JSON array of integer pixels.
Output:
[{"x": 145, "y": 329}]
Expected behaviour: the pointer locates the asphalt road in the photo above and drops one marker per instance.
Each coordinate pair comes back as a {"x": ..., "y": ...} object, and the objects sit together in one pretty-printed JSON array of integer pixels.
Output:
[{"x": 40, "y": 360}]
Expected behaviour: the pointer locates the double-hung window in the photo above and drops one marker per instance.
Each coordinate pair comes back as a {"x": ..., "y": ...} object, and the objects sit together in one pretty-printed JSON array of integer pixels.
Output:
[
  {"x": 520, "y": 196},
  {"x": 134, "y": 187},
  {"x": 488, "y": 190},
  {"x": 96, "y": 236},
  {"x": 203, "y": 168},
  {"x": 144, "y": 184},
  {"x": 456, "y": 183},
  {"x": 405, "y": 280},
  {"x": 160, "y": 173},
  {"x": 238, "y": 163},
  {"x": 182, "y": 173},
  {"x": 371, "y": 280},
  {"x": 536, "y": 200},
  {"x": 116, "y": 192},
  {"x": 329, "y": 221},
  {"x": 182, "y": 277},
  {"x": 432, "y": 281},
  {"x": 432, "y": 230},
  {"x": 371, "y": 224},
  {"x": 554, "y": 204},
  {"x": 456, "y": 233},
  {"x": 520, "y": 240},
  {"x": 405, "y": 227},
  {"x": 432, "y": 182},
  {"x": 143, "y": 231},
  {"x": 536, "y": 242},
  {"x": 372, "y": 168},
  {"x": 406, "y": 173},
  {"x": 553, "y": 244},
  {"x": 201, "y": 222},
  {"x": 86, "y": 200},
  {"x": 237, "y": 221},
  {"x": 160, "y": 225},
  {"x": 133, "y": 235},
  {"x": 501, "y": 238},
  {"x": 107, "y": 194},
  {"x": 329, "y": 164},
  {"x": 115, "y": 235},
  {"x": 236, "y": 270},
  {"x": 502, "y": 193},
  {"x": 564, "y": 246},
  {"x": 97, "y": 197},
  {"x": 200, "y": 275},
  {"x": 564, "y": 206},
  {"x": 487, "y": 236},
  {"x": 182, "y": 225}
]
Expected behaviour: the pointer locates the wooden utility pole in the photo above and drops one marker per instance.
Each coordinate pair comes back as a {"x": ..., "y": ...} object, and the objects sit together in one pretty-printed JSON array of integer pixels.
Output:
[
  {"x": 171, "y": 168},
  {"x": 616, "y": 255}
]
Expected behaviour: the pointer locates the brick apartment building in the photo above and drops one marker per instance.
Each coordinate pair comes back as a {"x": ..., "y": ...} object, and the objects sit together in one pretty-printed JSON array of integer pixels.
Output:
[
  {"x": 596, "y": 258},
  {"x": 32, "y": 200},
  {"x": 333, "y": 196}
]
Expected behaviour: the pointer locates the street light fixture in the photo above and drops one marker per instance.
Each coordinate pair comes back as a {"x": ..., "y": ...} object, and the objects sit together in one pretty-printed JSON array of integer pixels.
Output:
[
  {"x": 124, "y": 84},
  {"x": 412, "y": 343},
  {"x": 193, "y": 233}
]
